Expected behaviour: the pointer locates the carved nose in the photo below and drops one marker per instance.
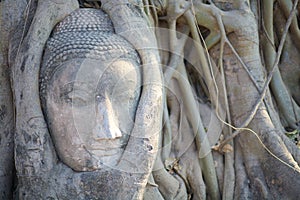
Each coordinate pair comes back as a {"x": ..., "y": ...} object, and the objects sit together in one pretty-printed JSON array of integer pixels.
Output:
[{"x": 106, "y": 122}]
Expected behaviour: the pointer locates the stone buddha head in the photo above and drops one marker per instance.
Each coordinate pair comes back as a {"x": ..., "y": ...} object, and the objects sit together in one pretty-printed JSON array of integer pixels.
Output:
[{"x": 89, "y": 86}]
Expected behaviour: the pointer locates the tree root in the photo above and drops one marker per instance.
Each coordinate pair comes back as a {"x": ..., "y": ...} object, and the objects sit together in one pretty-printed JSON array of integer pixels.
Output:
[
  {"x": 284, "y": 101},
  {"x": 258, "y": 158},
  {"x": 189, "y": 102},
  {"x": 269, "y": 78},
  {"x": 287, "y": 7},
  {"x": 229, "y": 173}
]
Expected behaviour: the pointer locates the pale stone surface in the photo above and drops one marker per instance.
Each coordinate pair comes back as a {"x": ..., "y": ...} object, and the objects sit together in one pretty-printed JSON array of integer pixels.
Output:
[{"x": 91, "y": 91}]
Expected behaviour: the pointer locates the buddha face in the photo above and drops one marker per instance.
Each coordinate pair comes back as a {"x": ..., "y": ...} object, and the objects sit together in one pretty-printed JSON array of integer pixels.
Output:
[{"x": 90, "y": 108}]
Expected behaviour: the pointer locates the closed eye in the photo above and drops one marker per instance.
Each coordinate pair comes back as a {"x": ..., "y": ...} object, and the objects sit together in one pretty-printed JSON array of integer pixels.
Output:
[
  {"x": 77, "y": 94},
  {"x": 79, "y": 101}
]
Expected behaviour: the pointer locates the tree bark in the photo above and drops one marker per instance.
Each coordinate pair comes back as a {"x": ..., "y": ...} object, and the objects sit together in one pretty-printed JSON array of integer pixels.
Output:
[
  {"x": 8, "y": 20},
  {"x": 258, "y": 168}
]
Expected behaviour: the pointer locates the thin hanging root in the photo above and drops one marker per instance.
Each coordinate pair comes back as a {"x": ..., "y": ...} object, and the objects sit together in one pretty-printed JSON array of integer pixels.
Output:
[
  {"x": 247, "y": 121},
  {"x": 222, "y": 44},
  {"x": 229, "y": 173},
  {"x": 266, "y": 85},
  {"x": 193, "y": 116},
  {"x": 203, "y": 17},
  {"x": 176, "y": 48},
  {"x": 207, "y": 164},
  {"x": 207, "y": 69},
  {"x": 286, "y": 6},
  {"x": 225, "y": 39},
  {"x": 206, "y": 160},
  {"x": 251, "y": 117},
  {"x": 217, "y": 14},
  {"x": 253, "y": 112},
  {"x": 282, "y": 96},
  {"x": 216, "y": 94},
  {"x": 215, "y": 11}
]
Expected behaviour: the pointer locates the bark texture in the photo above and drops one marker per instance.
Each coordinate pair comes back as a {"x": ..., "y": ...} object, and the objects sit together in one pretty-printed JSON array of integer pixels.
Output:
[{"x": 8, "y": 20}]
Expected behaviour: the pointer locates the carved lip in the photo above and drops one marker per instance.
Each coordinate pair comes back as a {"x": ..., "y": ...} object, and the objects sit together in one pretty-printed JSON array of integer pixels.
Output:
[{"x": 102, "y": 139}]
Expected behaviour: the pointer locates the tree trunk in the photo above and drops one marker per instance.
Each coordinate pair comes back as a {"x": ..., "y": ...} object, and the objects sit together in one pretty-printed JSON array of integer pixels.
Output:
[{"x": 258, "y": 169}]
